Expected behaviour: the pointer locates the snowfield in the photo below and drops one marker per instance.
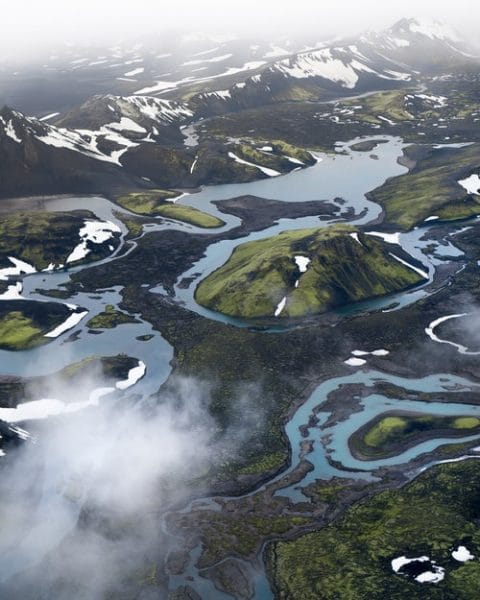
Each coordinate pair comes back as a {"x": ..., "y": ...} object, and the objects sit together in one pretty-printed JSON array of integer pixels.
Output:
[
  {"x": 14, "y": 292},
  {"x": 73, "y": 320},
  {"x": 96, "y": 232},
  {"x": 50, "y": 407},
  {"x": 10, "y": 130},
  {"x": 134, "y": 375},
  {"x": 435, "y": 575},
  {"x": 134, "y": 72},
  {"x": 471, "y": 184},
  {"x": 20, "y": 267},
  {"x": 355, "y": 362}
]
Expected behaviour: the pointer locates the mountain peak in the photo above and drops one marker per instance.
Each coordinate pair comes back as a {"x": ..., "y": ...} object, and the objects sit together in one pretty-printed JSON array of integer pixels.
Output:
[
  {"x": 6, "y": 112},
  {"x": 425, "y": 27}
]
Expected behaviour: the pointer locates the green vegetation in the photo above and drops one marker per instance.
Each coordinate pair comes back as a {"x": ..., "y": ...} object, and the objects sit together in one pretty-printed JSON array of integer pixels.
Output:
[
  {"x": 266, "y": 463},
  {"x": 187, "y": 214},
  {"x": 293, "y": 151},
  {"x": 110, "y": 318},
  {"x": 228, "y": 535},
  {"x": 41, "y": 238},
  {"x": 278, "y": 158},
  {"x": 384, "y": 429},
  {"x": 388, "y": 435},
  {"x": 133, "y": 224},
  {"x": 386, "y": 104},
  {"x": 23, "y": 323},
  {"x": 111, "y": 367},
  {"x": 214, "y": 166},
  {"x": 431, "y": 189},
  {"x": 145, "y": 202},
  {"x": 85, "y": 373},
  {"x": 18, "y": 332},
  {"x": 155, "y": 203},
  {"x": 429, "y": 517},
  {"x": 264, "y": 159},
  {"x": 145, "y": 338},
  {"x": 333, "y": 491},
  {"x": 466, "y": 422},
  {"x": 342, "y": 270}
]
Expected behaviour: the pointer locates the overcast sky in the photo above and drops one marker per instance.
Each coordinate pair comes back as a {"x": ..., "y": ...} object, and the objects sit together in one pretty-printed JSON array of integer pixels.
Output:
[{"x": 31, "y": 24}]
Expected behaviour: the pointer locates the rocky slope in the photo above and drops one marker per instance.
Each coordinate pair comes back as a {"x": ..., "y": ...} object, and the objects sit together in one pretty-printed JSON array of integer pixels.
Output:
[{"x": 37, "y": 158}]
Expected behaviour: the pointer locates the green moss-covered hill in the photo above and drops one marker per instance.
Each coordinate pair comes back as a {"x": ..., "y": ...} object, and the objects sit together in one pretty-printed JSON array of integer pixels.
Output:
[
  {"x": 390, "y": 433},
  {"x": 431, "y": 188},
  {"x": 351, "y": 559},
  {"x": 24, "y": 323},
  {"x": 156, "y": 203},
  {"x": 346, "y": 266}
]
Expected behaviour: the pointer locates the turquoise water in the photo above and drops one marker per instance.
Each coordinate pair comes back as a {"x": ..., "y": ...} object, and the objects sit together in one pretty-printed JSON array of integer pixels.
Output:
[
  {"x": 370, "y": 407},
  {"x": 347, "y": 176}
]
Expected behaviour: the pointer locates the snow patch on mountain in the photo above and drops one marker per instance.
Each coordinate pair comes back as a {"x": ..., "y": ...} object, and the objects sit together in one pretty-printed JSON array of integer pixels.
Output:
[
  {"x": 215, "y": 59},
  {"x": 134, "y": 72},
  {"x": 162, "y": 111},
  {"x": 264, "y": 170},
  {"x": 126, "y": 124},
  {"x": 319, "y": 64},
  {"x": 85, "y": 142},
  {"x": 433, "y": 30},
  {"x": 471, "y": 184},
  {"x": 220, "y": 94},
  {"x": 93, "y": 232},
  {"x": 20, "y": 267},
  {"x": 167, "y": 86},
  {"x": 339, "y": 65},
  {"x": 123, "y": 130},
  {"x": 10, "y": 130}
]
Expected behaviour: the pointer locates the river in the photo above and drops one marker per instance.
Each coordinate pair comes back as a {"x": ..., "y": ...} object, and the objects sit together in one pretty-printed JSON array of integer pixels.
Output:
[{"x": 348, "y": 175}]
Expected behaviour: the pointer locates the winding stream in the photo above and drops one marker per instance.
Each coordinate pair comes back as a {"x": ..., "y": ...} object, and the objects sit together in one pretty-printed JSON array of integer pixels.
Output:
[{"x": 324, "y": 181}]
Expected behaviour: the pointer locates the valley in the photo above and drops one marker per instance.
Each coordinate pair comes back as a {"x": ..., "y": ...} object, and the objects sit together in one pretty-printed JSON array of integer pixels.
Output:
[{"x": 234, "y": 325}]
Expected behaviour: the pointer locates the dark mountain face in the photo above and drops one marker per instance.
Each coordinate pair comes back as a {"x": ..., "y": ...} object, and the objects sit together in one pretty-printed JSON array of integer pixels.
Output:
[
  {"x": 138, "y": 118},
  {"x": 36, "y": 158}
]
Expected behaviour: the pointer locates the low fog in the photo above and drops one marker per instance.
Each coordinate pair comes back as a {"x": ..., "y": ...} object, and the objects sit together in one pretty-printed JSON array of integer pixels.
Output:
[
  {"x": 83, "y": 498},
  {"x": 29, "y": 26}
]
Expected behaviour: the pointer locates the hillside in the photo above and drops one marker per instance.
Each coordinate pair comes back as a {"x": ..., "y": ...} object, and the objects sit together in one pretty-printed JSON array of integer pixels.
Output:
[
  {"x": 436, "y": 188},
  {"x": 304, "y": 272}
]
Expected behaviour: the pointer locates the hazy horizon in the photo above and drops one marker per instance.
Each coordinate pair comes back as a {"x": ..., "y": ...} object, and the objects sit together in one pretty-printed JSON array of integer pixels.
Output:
[{"x": 31, "y": 27}]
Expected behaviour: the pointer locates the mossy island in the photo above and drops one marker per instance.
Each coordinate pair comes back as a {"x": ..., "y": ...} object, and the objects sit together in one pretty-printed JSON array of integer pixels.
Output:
[{"x": 304, "y": 272}]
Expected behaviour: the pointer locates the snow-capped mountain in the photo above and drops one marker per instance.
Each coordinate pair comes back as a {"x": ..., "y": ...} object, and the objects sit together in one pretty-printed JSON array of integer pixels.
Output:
[
  {"x": 127, "y": 119},
  {"x": 38, "y": 158},
  {"x": 138, "y": 139},
  {"x": 420, "y": 44},
  {"x": 375, "y": 60},
  {"x": 168, "y": 65},
  {"x": 67, "y": 76},
  {"x": 143, "y": 109},
  {"x": 397, "y": 53}
]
